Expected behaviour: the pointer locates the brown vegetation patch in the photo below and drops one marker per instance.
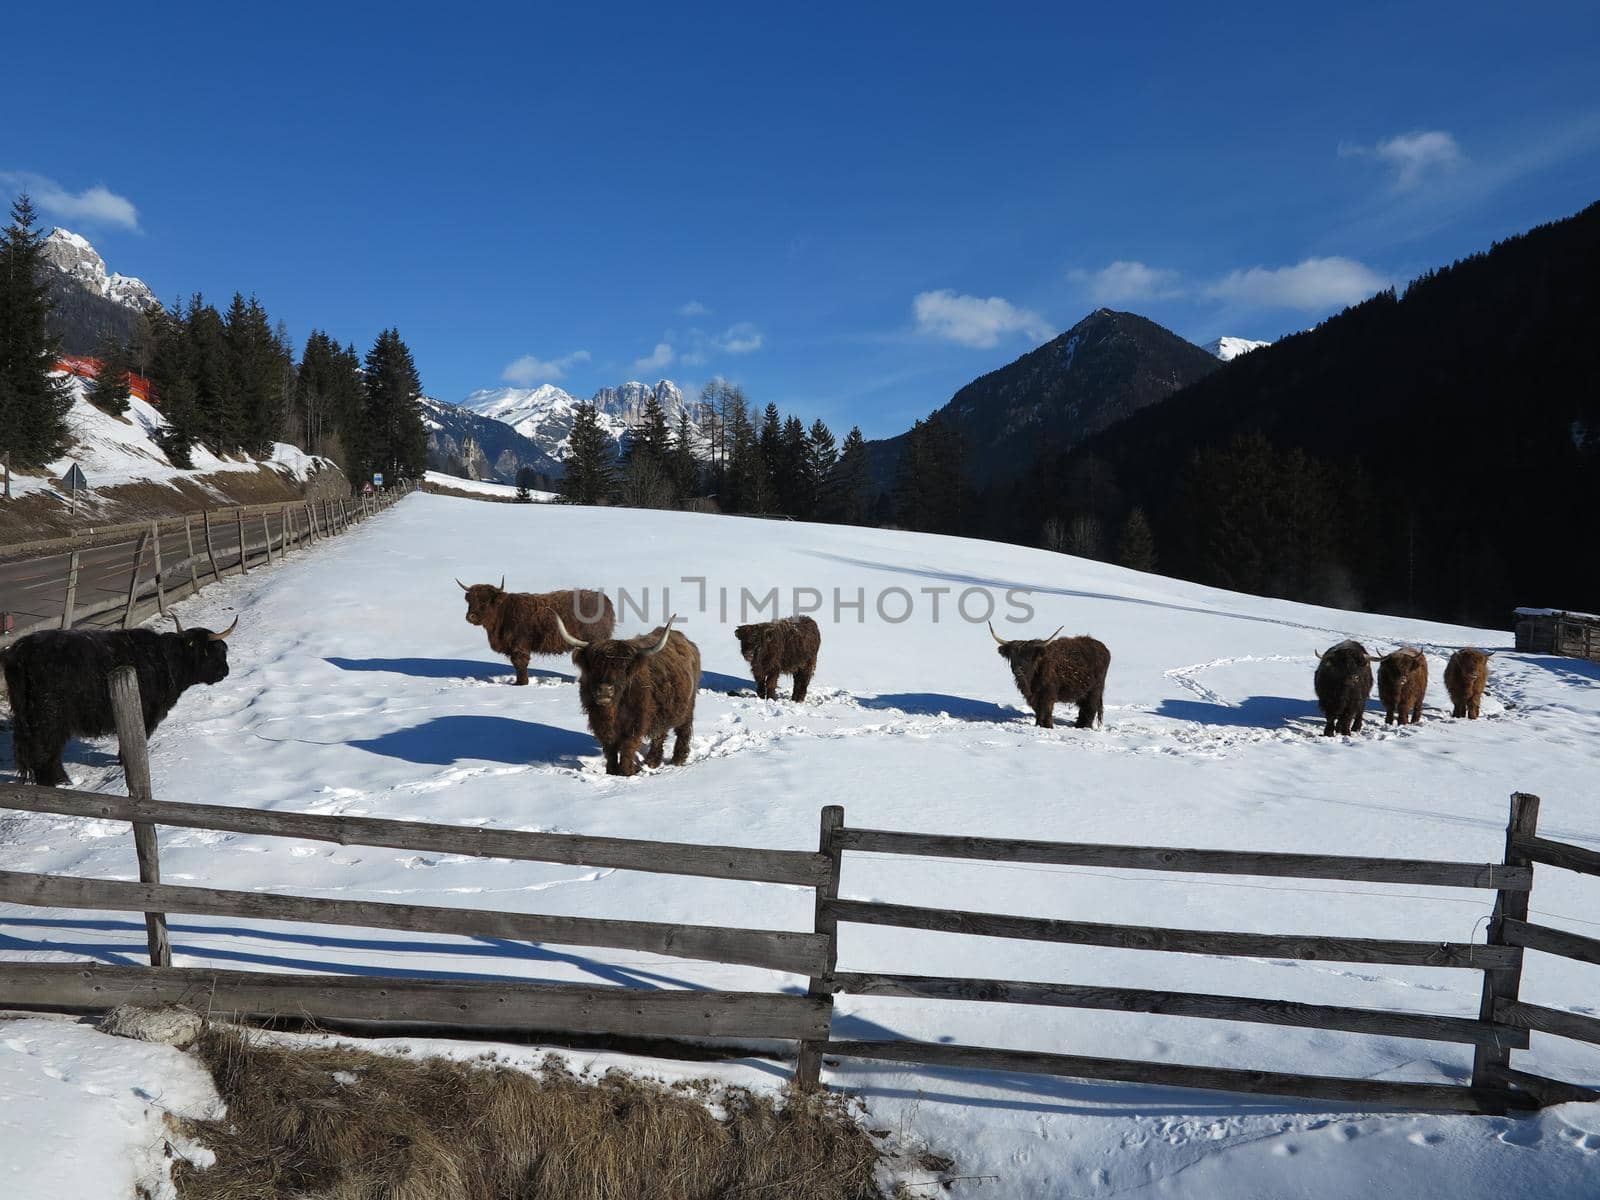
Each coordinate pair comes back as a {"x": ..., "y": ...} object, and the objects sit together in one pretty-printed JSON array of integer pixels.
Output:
[{"x": 338, "y": 1123}]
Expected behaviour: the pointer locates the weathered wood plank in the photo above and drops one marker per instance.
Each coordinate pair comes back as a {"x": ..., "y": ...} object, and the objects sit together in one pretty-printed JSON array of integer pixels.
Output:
[
  {"x": 1422, "y": 1026},
  {"x": 808, "y": 1063},
  {"x": 1544, "y": 1090},
  {"x": 1198, "y": 862},
  {"x": 801, "y": 867},
  {"x": 1504, "y": 983},
  {"x": 70, "y": 604},
  {"x": 1367, "y": 1092},
  {"x": 1180, "y": 941},
  {"x": 133, "y": 579},
  {"x": 799, "y": 953},
  {"x": 1553, "y": 941},
  {"x": 575, "y": 1008},
  {"x": 1558, "y": 854},
  {"x": 1522, "y": 1015},
  {"x": 128, "y": 714}
]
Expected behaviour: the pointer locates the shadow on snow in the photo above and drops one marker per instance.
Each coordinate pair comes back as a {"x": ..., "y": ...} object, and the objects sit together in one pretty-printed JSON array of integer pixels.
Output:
[
  {"x": 445, "y": 741},
  {"x": 438, "y": 668}
]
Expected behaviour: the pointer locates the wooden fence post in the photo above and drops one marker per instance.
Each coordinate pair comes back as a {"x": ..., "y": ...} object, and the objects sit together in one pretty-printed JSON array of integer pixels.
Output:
[
  {"x": 1503, "y": 984},
  {"x": 155, "y": 545},
  {"x": 129, "y": 714},
  {"x": 72, "y": 592},
  {"x": 266, "y": 533},
  {"x": 133, "y": 583},
  {"x": 188, "y": 541},
  {"x": 244, "y": 567},
  {"x": 211, "y": 550},
  {"x": 808, "y": 1064}
]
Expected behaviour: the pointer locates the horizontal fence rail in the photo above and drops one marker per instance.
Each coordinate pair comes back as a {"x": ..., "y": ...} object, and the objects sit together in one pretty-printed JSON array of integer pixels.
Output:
[{"x": 1558, "y": 854}]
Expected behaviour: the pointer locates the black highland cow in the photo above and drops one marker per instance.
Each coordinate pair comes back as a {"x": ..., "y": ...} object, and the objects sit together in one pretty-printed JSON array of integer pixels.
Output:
[
  {"x": 1049, "y": 671},
  {"x": 785, "y": 647},
  {"x": 60, "y": 684},
  {"x": 1343, "y": 683},
  {"x": 636, "y": 691}
]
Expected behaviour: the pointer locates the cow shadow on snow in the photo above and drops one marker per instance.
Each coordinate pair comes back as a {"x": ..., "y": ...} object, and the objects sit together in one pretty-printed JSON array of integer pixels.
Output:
[
  {"x": 445, "y": 741},
  {"x": 441, "y": 668},
  {"x": 933, "y": 704},
  {"x": 1254, "y": 712}
]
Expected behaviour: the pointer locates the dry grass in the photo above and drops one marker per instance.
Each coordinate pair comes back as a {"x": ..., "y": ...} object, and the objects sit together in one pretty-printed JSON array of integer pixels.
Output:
[{"x": 345, "y": 1124}]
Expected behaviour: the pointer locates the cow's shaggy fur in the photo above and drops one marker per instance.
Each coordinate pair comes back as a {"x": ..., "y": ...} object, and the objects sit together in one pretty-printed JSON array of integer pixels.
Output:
[
  {"x": 1465, "y": 676},
  {"x": 786, "y": 647},
  {"x": 635, "y": 692},
  {"x": 60, "y": 685},
  {"x": 521, "y": 624},
  {"x": 1343, "y": 683},
  {"x": 1051, "y": 671},
  {"x": 1403, "y": 685}
]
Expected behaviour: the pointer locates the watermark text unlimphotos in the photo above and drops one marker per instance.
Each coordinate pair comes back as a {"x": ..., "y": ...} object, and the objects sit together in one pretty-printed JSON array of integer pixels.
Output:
[{"x": 697, "y": 595}]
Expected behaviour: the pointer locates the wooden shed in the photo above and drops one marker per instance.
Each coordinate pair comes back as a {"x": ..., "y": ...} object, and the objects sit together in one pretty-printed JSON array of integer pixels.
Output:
[{"x": 1556, "y": 631}]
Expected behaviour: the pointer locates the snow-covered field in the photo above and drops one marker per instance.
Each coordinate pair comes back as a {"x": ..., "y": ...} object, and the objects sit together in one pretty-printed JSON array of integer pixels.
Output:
[
  {"x": 484, "y": 487},
  {"x": 357, "y": 688}
]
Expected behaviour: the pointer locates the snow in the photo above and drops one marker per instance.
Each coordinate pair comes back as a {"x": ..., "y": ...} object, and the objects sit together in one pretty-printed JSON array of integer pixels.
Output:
[
  {"x": 1229, "y": 348},
  {"x": 118, "y": 450},
  {"x": 73, "y": 255},
  {"x": 545, "y": 414},
  {"x": 484, "y": 487},
  {"x": 380, "y": 700},
  {"x": 1556, "y": 612}
]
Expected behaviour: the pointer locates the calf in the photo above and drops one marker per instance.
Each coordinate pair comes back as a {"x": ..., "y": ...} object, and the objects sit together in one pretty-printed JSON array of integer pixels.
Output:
[
  {"x": 521, "y": 624},
  {"x": 786, "y": 647},
  {"x": 1050, "y": 672},
  {"x": 1343, "y": 683},
  {"x": 637, "y": 691},
  {"x": 60, "y": 684},
  {"x": 1464, "y": 678},
  {"x": 1402, "y": 685}
]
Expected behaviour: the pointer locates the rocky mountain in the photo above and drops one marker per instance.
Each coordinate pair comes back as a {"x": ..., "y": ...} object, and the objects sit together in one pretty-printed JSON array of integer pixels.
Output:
[
  {"x": 1229, "y": 348},
  {"x": 91, "y": 303},
  {"x": 544, "y": 415},
  {"x": 1107, "y": 366},
  {"x": 461, "y": 442}
]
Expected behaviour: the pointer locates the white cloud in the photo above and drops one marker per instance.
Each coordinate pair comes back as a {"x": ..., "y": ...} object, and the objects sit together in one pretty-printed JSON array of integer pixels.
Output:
[
  {"x": 96, "y": 205},
  {"x": 693, "y": 309},
  {"x": 1123, "y": 281},
  {"x": 1316, "y": 283},
  {"x": 1415, "y": 157},
  {"x": 974, "y": 320},
  {"x": 528, "y": 370},
  {"x": 658, "y": 358},
  {"x": 743, "y": 338}
]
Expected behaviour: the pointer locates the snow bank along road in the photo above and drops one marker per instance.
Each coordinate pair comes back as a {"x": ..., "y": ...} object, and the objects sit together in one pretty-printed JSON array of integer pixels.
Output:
[{"x": 378, "y": 699}]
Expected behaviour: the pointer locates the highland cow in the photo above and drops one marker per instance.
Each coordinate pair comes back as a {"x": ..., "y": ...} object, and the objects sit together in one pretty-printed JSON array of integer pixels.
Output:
[
  {"x": 1050, "y": 672},
  {"x": 786, "y": 647},
  {"x": 1343, "y": 683},
  {"x": 60, "y": 685},
  {"x": 520, "y": 624},
  {"x": 1464, "y": 678},
  {"x": 1402, "y": 685},
  {"x": 637, "y": 691}
]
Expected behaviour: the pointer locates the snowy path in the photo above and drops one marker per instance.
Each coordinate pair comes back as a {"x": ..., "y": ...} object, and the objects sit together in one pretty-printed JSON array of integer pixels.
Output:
[{"x": 357, "y": 688}]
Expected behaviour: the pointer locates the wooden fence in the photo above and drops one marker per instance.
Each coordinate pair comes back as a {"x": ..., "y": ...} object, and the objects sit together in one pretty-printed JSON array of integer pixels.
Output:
[
  {"x": 494, "y": 1007},
  {"x": 129, "y": 572}
]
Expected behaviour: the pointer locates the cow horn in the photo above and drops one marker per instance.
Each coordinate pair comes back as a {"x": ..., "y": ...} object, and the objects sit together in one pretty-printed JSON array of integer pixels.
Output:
[
  {"x": 502, "y": 583},
  {"x": 223, "y": 636},
  {"x": 462, "y": 586},
  {"x": 1054, "y": 635},
  {"x": 176, "y": 622},
  {"x": 665, "y": 634},
  {"x": 996, "y": 636},
  {"x": 1319, "y": 654},
  {"x": 567, "y": 637}
]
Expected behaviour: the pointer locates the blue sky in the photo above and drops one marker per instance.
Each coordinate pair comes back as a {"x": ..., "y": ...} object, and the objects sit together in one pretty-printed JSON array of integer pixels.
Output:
[{"x": 851, "y": 211}]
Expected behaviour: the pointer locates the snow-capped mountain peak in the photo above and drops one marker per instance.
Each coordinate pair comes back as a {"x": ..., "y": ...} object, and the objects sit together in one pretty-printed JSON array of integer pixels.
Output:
[
  {"x": 544, "y": 414},
  {"x": 74, "y": 256},
  {"x": 1229, "y": 348}
]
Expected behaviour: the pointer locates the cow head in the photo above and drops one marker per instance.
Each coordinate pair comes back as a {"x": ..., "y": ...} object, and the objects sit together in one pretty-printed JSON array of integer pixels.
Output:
[
  {"x": 749, "y": 640},
  {"x": 608, "y": 666},
  {"x": 1010, "y": 650},
  {"x": 204, "y": 654},
  {"x": 482, "y": 599}
]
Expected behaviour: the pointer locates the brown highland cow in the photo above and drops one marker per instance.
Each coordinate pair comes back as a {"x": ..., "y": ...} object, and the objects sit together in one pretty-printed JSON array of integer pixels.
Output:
[
  {"x": 786, "y": 647},
  {"x": 520, "y": 624},
  {"x": 636, "y": 691},
  {"x": 1343, "y": 683},
  {"x": 1402, "y": 685},
  {"x": 1464, "y": 678},
  {"x": 1050, "y": 672}
]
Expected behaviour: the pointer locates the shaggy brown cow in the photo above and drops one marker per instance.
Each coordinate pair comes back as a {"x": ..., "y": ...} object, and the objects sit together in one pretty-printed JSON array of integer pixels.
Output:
[
  {"x": 1050, "y": 672},
  {"x": 638, "y": 690},
  {"x": 520, "y": 624},
  {"x": 786, "y": 647},
  {"x": 1464, "y": 678},
  {"x": 1343, "y": 683},
  {"x": 1402, "y": 685}
]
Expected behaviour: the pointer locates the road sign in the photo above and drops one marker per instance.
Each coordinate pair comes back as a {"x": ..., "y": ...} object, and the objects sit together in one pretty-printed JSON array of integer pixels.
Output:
[
  {"x": 377, "y": 479},
  {"x": 74, "y": 479}
]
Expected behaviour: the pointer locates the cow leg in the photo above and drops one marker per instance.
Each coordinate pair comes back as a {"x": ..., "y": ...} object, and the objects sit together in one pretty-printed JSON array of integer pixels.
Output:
[
  {"x": 628, "y": 756},
  {"x": 51, "y": 773},
  {"x": 611, "y": 761},
  {"x": 769, "y": 686},
  {"x": 680, "y": 744},
  {"x": 1388, "y": 717},
  {"x": 520, "y": 662},
  {"x": 1327, "y": 729},
  {"x": 652, "y": 756},
  {"x": 802, "y": 680},
  {"x": 1355, "y": 724},
  {"x": 1044, "y": 710}
]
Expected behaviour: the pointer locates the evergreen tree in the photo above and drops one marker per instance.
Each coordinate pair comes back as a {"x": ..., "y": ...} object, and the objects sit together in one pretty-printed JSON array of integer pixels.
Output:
[
  {"x": 930, "y": 484},
  {"x": 1138, "y": 545},
  {"x": 527, "y": 480},
  {"x": 395, "y": 441},
  {"x": 216, "y": 397},
  {"x": 588, "y": 477},
  {"x": 851, "y": 475},
  {"x": 256, "y": 369},
  {"x": 33, "y": 401},
  {"x": 110, "y": 391},
  {"x": 822, "y": 457},
  {"x": 685, "y": 462},
  {"x": 653, "y": 437},
  {"x": 791, "y": 480},
  {"x": 771, "y": 441},
  {"x": 171, "y": 375}
]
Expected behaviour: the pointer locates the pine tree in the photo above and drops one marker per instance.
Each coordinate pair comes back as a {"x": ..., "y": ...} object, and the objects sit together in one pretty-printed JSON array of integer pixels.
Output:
[
  {"x": 394, "y": 439},
  {"x": 256, "y": 369},
  {"x": 110, "y": 391},
  {"x": 216, "y": 397},
  {"x": 851, "y": 475},
  {"x": 527, "y": 478},
  {"x": 588, "y": 474},
  {"x": 171, "y": 375},
  {"x": 822, "y": 456},
  {"x": 685, "y": 461},
  {"x": 33, "y": 401},
  {"x": 1138, "y": 546},
  {"x": 653, "y": 437},
  {"x": 792, "y": 483}
]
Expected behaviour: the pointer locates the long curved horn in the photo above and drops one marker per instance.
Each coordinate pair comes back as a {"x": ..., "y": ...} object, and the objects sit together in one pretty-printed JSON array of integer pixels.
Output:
[
  {"x": 223, "y": 636},
  {"x": 1319, "y": 654},
  {"x": 662, "y": 644},
  {"x": 996, "y": 636},
  {"x": 1054, "y": 635},
  {"x": 176, "y": 622},
  {"x": 462, "y": 586},
  {"x": 567, "y": 637},
  {"x": 502, "y": 583}
]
